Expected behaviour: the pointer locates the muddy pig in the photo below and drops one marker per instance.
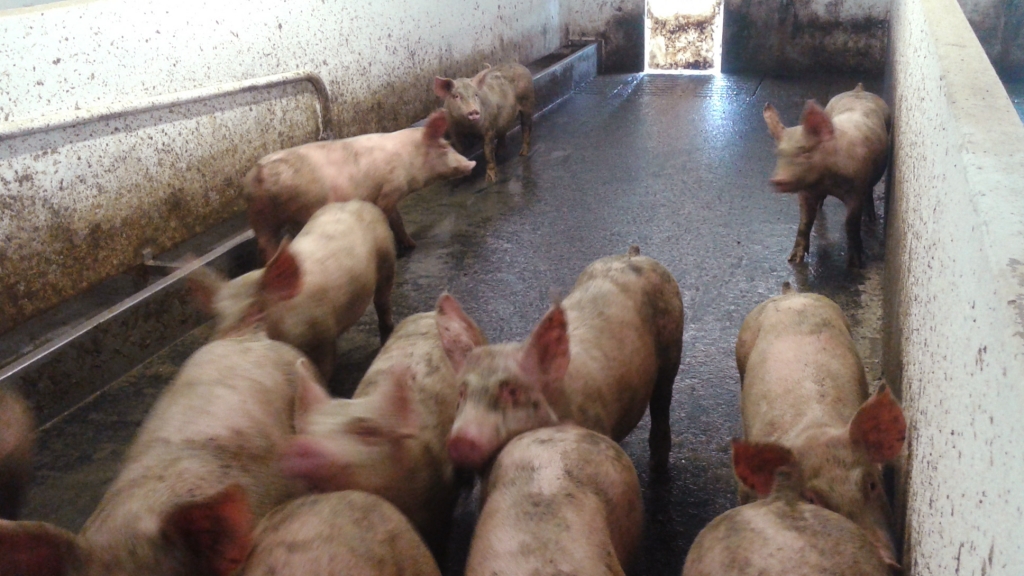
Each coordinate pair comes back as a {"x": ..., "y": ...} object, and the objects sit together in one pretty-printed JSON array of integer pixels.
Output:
[
  {"x": 17, "y": 442},
  {"x": 347, "y": 533},
  {"x": 558, "y": 500},
  {"x": 389, "y": 439},
  {"x": 596, "y": 359},
  {"x": 200, "y": 469},
  {"x": 840, "y": 151},
  {"x": 781, "y": 535},
  {"x": 487, "y": 105},
  {"x": 803, "y": 388},
  {"x": 286, "y": 187},
  {"x": 322, "y": 282}
]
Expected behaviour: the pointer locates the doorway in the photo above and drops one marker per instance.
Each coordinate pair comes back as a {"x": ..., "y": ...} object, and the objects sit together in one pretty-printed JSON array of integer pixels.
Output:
[{"x": 683, "y": 36}]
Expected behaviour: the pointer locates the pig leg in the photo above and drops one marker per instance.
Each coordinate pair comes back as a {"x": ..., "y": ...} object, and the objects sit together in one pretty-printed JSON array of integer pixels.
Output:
[
  {"x": 660, "y": 440},
  {"x": 492, "y": 167},
  {"x": 402, "y": 238},
  {"x": 382, "y": 299},
  {"x": 526, "y": 121},
  {"x": 854, "y": 214},
  {"x": 808, "y": 211}
]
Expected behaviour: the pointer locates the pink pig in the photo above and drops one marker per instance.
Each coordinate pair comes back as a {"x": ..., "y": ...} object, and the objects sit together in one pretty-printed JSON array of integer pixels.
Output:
[
  {"x": 286, "y": 187},
  {"x": 804, "y": 390}
]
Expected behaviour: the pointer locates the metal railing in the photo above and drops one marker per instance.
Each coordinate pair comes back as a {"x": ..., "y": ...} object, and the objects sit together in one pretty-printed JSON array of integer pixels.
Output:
[{"x": 19, "y": 128}]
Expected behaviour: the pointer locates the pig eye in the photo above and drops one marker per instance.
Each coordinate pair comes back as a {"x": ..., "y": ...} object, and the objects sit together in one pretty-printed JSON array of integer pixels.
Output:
[
  {"x": 367, "y": 431},
  {"x": 812, "y": 498},
  {"x": 455, "y": 96}
]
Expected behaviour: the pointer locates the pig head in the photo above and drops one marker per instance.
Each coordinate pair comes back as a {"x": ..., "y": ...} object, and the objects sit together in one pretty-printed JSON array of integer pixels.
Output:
[{"x": 504, "y": 389}]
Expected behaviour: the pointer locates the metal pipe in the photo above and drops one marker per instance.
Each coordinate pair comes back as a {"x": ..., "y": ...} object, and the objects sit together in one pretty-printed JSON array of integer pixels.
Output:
[{"x": 69, "y": 118}]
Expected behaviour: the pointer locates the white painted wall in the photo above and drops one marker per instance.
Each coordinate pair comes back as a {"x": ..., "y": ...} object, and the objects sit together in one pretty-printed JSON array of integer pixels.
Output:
[
  {"x": 954, "y": 296},
  {"x": 80, "y": 204}
]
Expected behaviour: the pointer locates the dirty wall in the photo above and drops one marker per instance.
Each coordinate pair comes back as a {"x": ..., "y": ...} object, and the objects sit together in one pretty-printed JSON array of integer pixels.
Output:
[
  {"x": 618, "y": 24},
  {"x": 953, "y": 328},
  {"x": 791, "y": 37},
  {"x": 79, "y": 204}
]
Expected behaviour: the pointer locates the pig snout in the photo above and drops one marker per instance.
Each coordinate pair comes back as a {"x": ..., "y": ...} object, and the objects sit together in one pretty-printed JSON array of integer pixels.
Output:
[
  {"x": 467, "y": 451},
  {"x": 473, "y": 115},
  {"x": 783, "y": 184},
  {"x": 467, "y": 167},
  {"x": 307, "y": 460}
]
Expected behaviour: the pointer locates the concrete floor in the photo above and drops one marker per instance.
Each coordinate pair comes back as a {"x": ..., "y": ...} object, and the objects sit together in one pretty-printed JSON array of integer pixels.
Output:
[{"x": 676, "y": 164}]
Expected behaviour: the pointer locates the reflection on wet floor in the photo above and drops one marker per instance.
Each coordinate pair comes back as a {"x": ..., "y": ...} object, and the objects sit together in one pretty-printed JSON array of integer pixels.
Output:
[{"x": 676, "y": 164}]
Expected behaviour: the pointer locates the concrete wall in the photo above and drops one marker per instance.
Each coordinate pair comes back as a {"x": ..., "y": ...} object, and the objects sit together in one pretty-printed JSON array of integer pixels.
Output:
[
  {"x": 80, "y": 204},
  {"x": 792, "y": 37},
  {"x": 954, "y": 296},
  {"x": 999, "y": 25},
  {"x": 619, "y": 24}
]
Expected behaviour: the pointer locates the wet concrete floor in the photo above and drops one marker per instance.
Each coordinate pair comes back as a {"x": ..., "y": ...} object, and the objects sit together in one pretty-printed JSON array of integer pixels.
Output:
[{"x": 676, "y": 164}]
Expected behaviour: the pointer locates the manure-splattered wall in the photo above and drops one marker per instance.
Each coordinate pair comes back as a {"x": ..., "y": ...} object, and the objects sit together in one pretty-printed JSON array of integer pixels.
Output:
[
  {"x": 791, "y": 37},
  {"x": 619, "y": 24},
  {"x": 80, "y": 204}
]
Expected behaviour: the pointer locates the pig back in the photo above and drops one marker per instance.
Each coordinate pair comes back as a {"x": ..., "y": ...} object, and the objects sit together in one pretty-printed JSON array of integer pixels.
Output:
[
  {"x": 339, "y": 533},
  {"x": 221, "y": 421},
  {"x": 625, "y": 321},
  {"x": 798, "y": 366},
  {"x": 559, "y": 496},
  {"x": 423, "y": 478},
  {"x": 782, "y": 537},
  {"x": 341, "y": 252},
  {"x": 416, "y": 344},
  {"x": 506, "y": 90}
]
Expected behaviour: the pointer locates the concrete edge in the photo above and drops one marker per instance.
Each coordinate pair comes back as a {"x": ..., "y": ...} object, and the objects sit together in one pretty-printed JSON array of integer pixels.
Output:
[
  {"x": 953, "y": 330},
  {"x": 74, "y": 363}
]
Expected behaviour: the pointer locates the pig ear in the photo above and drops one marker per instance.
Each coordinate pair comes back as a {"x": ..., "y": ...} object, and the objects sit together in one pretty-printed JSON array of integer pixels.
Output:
[
  {"x": 879, "y": 427},
  {"x": 755, "y": 464},
  {"x": 216, "y": 533},
  {"x": 204, "y": 284},
  {"x": 459, "y": 334},
  {"x": 436, "y": 125},
  {"x": 816, "y": 122},
  {"x": 771, "y": 118},
  {"x": 309, "y": 393},
  {"x": 399, "y": 404},
  {"x": 37, "y": 549},
  {"x": 282, "y": 279},
  {"x": 443, "y": 86},
  {"x": 545, "y": 356}
]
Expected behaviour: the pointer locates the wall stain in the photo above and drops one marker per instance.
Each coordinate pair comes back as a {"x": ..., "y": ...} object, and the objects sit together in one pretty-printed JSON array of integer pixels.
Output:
[{"x": 791, "y": 39}]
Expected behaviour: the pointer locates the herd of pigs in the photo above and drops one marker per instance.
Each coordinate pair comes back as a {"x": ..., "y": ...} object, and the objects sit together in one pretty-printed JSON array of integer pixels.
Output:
[{"x": 246, "y": 465}]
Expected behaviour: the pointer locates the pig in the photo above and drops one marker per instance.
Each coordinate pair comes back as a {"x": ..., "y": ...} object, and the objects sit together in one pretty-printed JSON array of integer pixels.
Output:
[
  {"x": 338, "y": 534},
  {"x": 389, "y": 439},
  {"x": 315, "y": 287},
  {"x": 286, "y": 187},
  {"x": 201, "y": 468},
  {"x": 840, "y": 151},
  {"x": 487, "y": 105},
  {"x": 17, "y": 443},
  {"x": 803, "y": 388},
  {"x": 596, "y": 359},
  {"x": 558, "y": 500},
  {"x": 781, "y": 535}
]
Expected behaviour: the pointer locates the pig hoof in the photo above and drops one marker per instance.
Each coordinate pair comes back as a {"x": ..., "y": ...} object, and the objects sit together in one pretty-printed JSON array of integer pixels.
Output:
[
  {"x": 524, "y": 151},
  {"x": 492, "y": 176},
  {"x": 659, "y": 465},
  {"x": 796, "y": 257}
]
